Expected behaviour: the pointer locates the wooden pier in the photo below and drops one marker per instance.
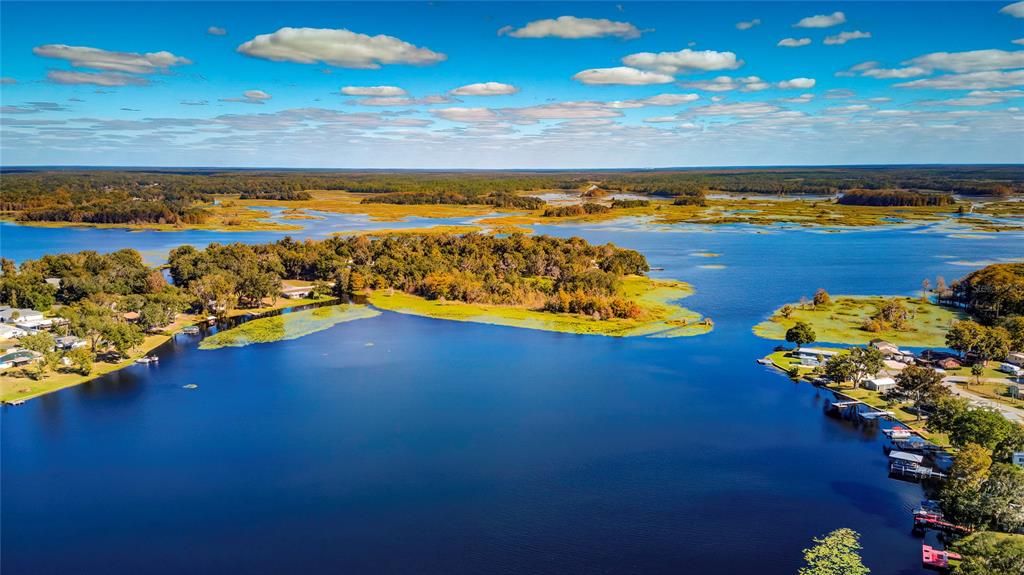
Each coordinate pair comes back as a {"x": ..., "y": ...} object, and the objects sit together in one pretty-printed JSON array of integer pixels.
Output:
[{"x": 914, "y": 471}]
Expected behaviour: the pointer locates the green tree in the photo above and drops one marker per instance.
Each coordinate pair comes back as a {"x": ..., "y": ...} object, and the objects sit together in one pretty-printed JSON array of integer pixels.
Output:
[
  {"x": 42, "y": 343},
  {"x": 1002, "y": 498},
  {"x": 82, "y": 359},
  {"x": 800, "y": 334},
  {"x": 988, "y": 553},
  {"x": 1014, "y": 326},
  {"x": 922, "y": 384},
  {"x": 835, "y": 554},
  {"x": 866, "y": 362},
  {"x": 994, "y": 344},
  {"x": 786, "y": 311},
  {"x": 840, "y": 368},
  {"x": 965, "y": 336},
  {"x": 977, "y": 370},
  {"x": 961, "y": 495},
  {"x": 123, "y": 337}
]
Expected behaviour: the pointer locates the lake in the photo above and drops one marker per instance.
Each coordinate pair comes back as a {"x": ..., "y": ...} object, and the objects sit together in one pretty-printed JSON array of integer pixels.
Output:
[{"x": 401, "y": 444}]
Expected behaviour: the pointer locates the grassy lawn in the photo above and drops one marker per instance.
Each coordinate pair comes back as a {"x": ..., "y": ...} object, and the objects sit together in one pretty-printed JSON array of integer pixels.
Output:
[
  {"x": 661, "y": 318},
  {"x": 287, "y": 326},
  {"x": 841, "y": 320}
]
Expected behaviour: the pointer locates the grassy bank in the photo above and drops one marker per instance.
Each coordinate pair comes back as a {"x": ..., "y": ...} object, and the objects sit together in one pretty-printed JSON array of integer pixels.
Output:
[
  {"x": 782, "y": 361},
  {"x": 841, "y": 322},
  {"x": 287, "y": 326},
  {"x": 661, "y": 317},
  {"x": 14, "y": 386}
]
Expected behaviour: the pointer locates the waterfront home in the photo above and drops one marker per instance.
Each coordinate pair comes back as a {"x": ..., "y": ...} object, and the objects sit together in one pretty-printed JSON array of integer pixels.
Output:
[
  {"x": 13, "y": 315},
  {"x": 888, "y": 349},
  {"x": 18, "y": 357},
  {"x": 813, "y": 352},
  {"x": 130, "y": 316},
  {"x": 1016, "y": 358},
  {"x": 11, "y": 332},
  {"x": 291, "y": 291},
  {"x": 948, "y": 363},
  {"x": 67, "y": 342},
  {"x": 880, "y": 384}
]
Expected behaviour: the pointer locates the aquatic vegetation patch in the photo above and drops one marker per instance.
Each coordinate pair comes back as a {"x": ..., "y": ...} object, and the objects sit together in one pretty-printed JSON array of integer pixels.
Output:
[
  {"x": 843, "y": 321},
  {"x": 287, "y": 326}
]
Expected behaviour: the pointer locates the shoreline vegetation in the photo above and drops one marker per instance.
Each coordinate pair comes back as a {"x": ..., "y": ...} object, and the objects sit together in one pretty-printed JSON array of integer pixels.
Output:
[
  {"x": 230, "y": 200},
  {"x": 21, "y": 388},
  {"x": 660, "y": 315},
  {"x": 286, "y": 326},
  {"x": 848, "y": 319}
]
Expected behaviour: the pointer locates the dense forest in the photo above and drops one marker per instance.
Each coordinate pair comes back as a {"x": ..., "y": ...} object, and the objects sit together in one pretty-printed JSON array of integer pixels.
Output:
[
  {"x": 991, "y": 293},
  {"x": 178, "y": 196},
  {"x": 497, "y": 199},
  {"x": 895, "y": 198},
  {"x": 575, "y": 210},
  {"x": 540, "y": 272}
]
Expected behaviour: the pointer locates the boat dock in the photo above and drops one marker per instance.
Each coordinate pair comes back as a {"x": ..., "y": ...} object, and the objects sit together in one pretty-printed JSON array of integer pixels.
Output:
[{"x": 909, "y": 469}]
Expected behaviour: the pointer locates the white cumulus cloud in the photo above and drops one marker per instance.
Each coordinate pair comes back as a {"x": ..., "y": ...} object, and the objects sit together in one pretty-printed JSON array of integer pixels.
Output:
[
  {"x": 485, "y": 89},
  {"x": 95, "y": 78},
  {"x": 793, "y": 42},
  {"x": 373, "y": 91},
  {"x": 337, "y": 47},
  {"x": 468, "y": 115},
  {"x": 747, "y": 25},
  {"x": 796, "y": 84},
  {"x": 572, "y": 28},
  {"x": 822, "y": 20},
  {"x": 216, "y": 31},
  {"x": 250, "y": 97},
  {"x": 844, "y": 37},
  {"x": 623, "y": 75},
  {"x": 970, "y": 61},
  {"x": 99, "y": 59},
  {"x": 1016, "y": 10},
  {"x": 659, "y": 100},
  {"x": 685, "y": 60},
  {"x": 971, "y": 81}
]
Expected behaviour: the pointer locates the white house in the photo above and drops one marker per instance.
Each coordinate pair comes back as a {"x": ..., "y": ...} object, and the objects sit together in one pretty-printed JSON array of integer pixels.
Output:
[
  {"x": 880, "y": 384},
  {"x": 15, "y": 315},
  {"x": 11, "y": 332},
  {"x": 1016, "y": 358},
  {"x": 1018, "y": 458}
]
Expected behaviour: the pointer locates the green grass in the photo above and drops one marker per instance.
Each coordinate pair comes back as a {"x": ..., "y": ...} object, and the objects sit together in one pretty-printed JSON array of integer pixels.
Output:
[
  {"x": 661, "y": 318},
  {"x": 286, "y": 326},
  {"x": 841, "y": 321}
]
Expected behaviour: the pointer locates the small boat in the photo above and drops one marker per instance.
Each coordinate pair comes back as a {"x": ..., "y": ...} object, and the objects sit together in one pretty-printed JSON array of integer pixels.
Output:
[
  {"x": 190, "y": 386},
  {"x": 764, "y": 361},
  {"x": 15, "y": 402},
  {"x": 148, "y": 359},
  {"x": 937, "y": 558},
  {"x": 898, "y": 433},
  {"x": 190, "y": 330}
]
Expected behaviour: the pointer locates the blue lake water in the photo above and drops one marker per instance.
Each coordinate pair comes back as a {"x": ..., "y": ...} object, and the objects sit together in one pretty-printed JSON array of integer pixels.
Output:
[{"x": 450, "y": 447}]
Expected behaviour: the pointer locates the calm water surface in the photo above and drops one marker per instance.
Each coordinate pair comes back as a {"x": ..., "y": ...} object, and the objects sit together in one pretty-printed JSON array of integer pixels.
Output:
[{"x": 458, "y": 448}]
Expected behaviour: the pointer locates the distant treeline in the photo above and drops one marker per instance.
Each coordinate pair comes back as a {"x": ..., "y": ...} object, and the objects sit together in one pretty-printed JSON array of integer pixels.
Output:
[
  {"x": 96, "y": 194},
  {"x": 895, "y": 198},
  {"x": 496, "y": 199},
  {"x": 575, "y": 210},
  {"x": 538, "y": 271}
]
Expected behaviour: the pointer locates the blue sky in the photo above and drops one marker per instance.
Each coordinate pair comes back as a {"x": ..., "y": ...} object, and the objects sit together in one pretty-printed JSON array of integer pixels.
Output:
[{"x": 543, "y": 85}]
